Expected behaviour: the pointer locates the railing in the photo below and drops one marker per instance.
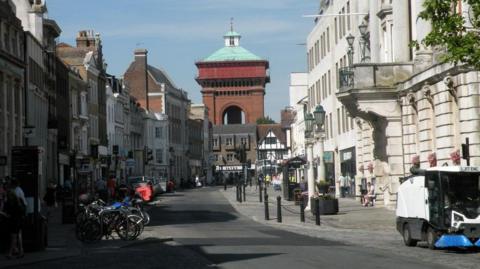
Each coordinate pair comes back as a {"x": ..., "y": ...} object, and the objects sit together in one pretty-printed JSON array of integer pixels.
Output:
[{"x": 346, "y": 77}]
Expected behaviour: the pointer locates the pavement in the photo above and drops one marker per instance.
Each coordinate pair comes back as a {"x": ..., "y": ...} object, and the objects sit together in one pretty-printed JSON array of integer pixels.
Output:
[
  {"x": 351, "y": 216},
  {"x": 364, "y": 227},
  {"x": 62, "y": 243}
]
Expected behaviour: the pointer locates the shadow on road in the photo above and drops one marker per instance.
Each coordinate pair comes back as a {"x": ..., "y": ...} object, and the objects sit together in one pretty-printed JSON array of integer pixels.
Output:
[
  {"x": 218, "y": 259},
  {"x": 171, "y": 216}
]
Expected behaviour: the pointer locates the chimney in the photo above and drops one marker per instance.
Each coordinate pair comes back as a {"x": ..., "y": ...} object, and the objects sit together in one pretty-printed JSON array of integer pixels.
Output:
[
  {"x": 85, "y": 39},
  {"x": 141, "y": 59}
]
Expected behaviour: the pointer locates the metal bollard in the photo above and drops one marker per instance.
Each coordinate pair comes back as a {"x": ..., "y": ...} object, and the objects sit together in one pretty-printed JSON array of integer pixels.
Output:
[
  {"x": 239, "y": 193},
  {"x": 236, "y": 189},
  {"x": 302, "y": 210},
  {"x": 260, "y": 192},
  {"x": 244, "y": 194},
  {"x": 317, "y": 211},
  {"x": 225, "y": 185},
  {"x": 267, "y": 214},
  {"x": 279, "y": 209}
]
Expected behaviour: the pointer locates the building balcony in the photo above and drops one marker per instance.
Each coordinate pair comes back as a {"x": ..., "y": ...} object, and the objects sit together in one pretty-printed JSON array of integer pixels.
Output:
[{"x": 373, "y": 76}]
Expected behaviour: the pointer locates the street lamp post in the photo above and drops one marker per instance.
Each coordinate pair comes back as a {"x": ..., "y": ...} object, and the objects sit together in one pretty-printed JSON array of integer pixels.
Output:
[
  {"x": 313, "y": 133},
  {"x": 364, "y": 42},
  {"x": 350, "y": 40}
]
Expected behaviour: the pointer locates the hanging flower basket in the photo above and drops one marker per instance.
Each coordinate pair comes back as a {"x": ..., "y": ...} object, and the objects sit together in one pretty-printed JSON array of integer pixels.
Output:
[
  {"x": 432, "y": 159},
  {"x": 455, "y": 157},
  {"x": 415, "y": 160}
]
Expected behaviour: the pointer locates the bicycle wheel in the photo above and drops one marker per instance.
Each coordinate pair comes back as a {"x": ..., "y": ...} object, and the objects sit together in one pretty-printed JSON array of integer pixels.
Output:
[
  {"x": 88, "y": 231},
  {"x": 129, "y": 228}
]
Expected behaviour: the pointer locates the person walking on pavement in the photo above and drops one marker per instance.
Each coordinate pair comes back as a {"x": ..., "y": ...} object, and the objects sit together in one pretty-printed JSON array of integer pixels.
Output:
[
  {"x": 50, "y": 198},
  {"x": 343, "y": 184},
  {"x": 101, "y": 189},
  {"x": 3, "y": 194},
  {"x": 111, "y": 185},
  {"x": 15, "y": 208}
]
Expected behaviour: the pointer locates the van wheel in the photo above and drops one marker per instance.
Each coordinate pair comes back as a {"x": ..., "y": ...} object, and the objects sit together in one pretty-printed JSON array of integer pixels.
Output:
[
  {"x": 431, "y": 238},
  {"x": 407, "y": 236}
]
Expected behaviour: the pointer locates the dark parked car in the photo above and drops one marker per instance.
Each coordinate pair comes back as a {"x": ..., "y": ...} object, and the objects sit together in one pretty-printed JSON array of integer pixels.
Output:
[{"x": 157, "y": 184}]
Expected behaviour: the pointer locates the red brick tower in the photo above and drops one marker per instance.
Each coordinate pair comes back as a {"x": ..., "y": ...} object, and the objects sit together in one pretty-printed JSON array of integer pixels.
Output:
[{"x": 233, "y": 83}]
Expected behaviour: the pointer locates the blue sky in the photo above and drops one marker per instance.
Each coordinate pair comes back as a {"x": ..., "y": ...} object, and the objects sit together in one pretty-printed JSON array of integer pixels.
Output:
[{"x": 179, "y": 32}]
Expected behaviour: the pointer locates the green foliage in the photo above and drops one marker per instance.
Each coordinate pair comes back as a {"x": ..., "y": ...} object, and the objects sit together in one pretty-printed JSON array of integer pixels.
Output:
[
  {"x": 322, "y": 186},
  {"x": 448, "y": 31},
  {"x": 265, "y": 120}
]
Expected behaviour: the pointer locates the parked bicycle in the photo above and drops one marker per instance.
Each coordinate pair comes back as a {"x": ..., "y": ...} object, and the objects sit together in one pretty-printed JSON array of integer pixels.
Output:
[{"x": 96, "y": 220}]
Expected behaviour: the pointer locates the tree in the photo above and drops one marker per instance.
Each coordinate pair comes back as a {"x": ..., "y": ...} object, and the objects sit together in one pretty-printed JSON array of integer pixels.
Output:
[
  {"x": 265, "y": 120},
  {"x": 449, "y": 31}
]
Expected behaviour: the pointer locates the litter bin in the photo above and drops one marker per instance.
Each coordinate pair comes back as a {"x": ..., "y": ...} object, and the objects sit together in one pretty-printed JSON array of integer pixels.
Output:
[
  {"x": 297, "y": 195},
  {"x": 291, "y": 188}
]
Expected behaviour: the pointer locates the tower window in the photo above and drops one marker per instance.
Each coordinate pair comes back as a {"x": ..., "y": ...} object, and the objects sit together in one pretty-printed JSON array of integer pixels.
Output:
[{"x": 232, "y": 41}]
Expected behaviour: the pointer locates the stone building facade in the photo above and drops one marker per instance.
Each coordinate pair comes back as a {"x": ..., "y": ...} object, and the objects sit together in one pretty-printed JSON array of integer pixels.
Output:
[
  {"x": 227, "y": 138},
  {"x": 87, "y": 58},
  {"x": 155, "y": 91},
  {"x": 408, "y": 105},
  {"x": 327, "y": 48},
  {"x": 12, "y": 81}
]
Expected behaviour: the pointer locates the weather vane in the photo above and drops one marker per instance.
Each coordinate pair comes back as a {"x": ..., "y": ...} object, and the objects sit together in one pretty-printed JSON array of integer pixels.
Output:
[{"x": 231, "y": 24}]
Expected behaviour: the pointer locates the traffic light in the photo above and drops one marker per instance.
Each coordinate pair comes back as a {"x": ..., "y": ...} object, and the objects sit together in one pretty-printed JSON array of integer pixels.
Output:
[{"x": 148, "y": 155}]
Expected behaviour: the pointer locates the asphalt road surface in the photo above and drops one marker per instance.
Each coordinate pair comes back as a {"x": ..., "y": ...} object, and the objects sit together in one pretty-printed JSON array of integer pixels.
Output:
[{"x": 208, "y": 233}]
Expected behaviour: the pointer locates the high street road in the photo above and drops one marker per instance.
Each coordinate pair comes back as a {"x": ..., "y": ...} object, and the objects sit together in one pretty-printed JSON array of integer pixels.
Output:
[{"x": 208, "y": 232}]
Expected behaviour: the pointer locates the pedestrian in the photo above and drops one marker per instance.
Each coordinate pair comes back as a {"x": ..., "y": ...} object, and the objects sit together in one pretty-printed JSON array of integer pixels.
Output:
[
  {"x": 101, "y": 189},
  {"x": 111, "y": 185},
  {"x": 342, "y": 180},
  {"x": 15, "y": 208},
  {"x": 3, "y": 193},
  {"x": 370, "y": 196},
  {"x": 50, "y": 198}
]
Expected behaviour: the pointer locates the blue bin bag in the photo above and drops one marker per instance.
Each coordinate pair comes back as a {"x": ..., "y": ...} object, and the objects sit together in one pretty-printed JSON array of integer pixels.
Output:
[
  {"x": 453, "y": 240},
  {"x": 477, "y": 243}
]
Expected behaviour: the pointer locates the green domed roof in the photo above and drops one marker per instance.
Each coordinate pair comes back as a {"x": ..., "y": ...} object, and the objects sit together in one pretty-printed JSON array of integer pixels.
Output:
[{"x": 232, "y": 54}]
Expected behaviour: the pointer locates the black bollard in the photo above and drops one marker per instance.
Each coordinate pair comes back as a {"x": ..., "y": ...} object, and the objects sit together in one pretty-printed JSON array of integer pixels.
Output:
[
  {"x": 225, "y": 185},
  {"x": 236, "y": 188},
  {"x": 260, "y": 191},
  {"x": 279, "y": 209},
  {"x": 317, "y": 211},
  {"x": 302, "y": 210},
  {"x": 239, "y": 193},
  {"x": 244, "y": 195},
  {"x": 267, "y": 214}
]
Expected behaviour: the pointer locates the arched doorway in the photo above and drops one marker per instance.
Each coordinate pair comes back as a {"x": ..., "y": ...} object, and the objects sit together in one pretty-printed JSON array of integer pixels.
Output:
[{"x": 233, "y": 115}]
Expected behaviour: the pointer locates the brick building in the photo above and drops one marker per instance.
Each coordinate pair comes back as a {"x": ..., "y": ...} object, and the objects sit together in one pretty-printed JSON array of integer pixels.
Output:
[
  {"x": 233, "y": 83},
  {"x": 155, "y": 91}
]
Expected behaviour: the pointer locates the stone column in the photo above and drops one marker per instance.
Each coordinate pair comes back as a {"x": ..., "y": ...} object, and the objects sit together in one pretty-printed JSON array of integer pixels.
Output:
[
  {"x": 401, "y": 31},
  {"x": 321, "y": 164},
  {"x": 394, "y": 168},
  {"x": 311, "y": 180},
  {"x": 423, "y": 56},
  {"x": 374, "y": 25}
]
